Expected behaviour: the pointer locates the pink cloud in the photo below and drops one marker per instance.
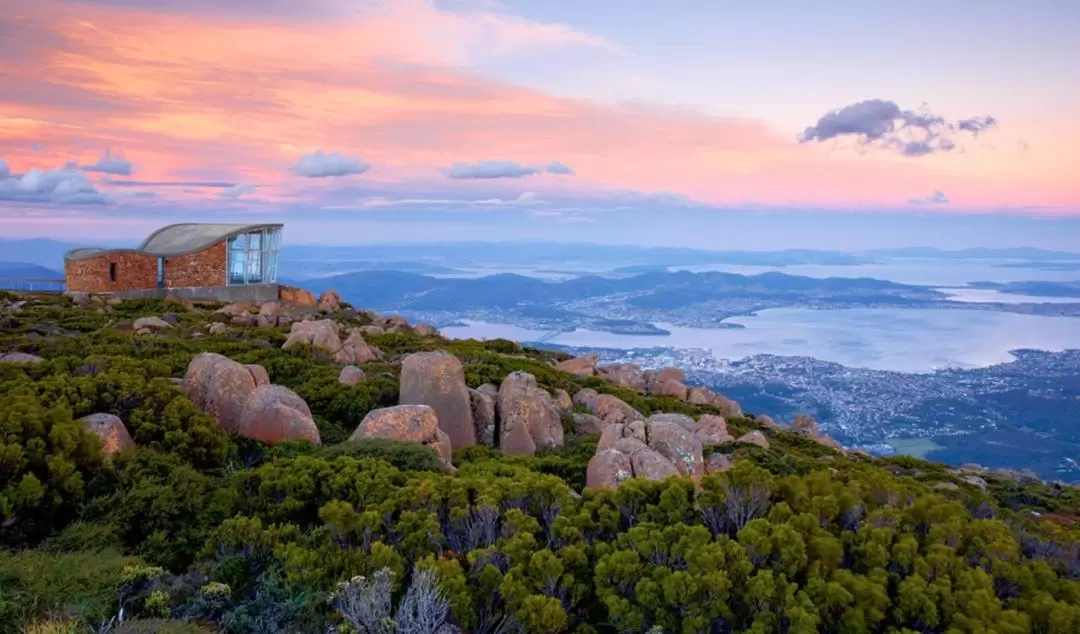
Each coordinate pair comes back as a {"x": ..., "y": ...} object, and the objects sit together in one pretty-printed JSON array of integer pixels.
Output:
[{"x": 241, "y": 98}]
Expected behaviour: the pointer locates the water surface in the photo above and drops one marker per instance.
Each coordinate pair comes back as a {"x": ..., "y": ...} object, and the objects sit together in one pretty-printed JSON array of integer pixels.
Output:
[{"x": 906, "y": 340}]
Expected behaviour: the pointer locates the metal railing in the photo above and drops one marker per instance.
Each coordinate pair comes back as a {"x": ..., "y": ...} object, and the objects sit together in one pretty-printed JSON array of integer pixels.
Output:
[{"x": 32, "y": 285}]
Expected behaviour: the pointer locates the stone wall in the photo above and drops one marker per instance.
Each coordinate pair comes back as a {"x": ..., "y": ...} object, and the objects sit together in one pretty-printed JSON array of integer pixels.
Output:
[
  {"x": 91, "y": 275},
  {"x": 206, "y": 267},
  {"x": 138, "y": 271},
  {"x": 257, "y": 293}
]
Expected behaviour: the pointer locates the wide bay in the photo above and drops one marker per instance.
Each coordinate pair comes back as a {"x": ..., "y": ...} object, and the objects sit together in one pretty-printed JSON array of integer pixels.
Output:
[{"x": 904, "y": 340}]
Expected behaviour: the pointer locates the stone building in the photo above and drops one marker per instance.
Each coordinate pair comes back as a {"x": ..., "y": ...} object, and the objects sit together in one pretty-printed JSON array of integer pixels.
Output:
[{"x": 229, "y": 262}]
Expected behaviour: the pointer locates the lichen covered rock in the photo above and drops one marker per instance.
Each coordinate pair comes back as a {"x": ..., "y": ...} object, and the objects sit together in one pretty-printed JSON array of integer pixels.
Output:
[
  {"x": 219, "y": 386},
  {"x": 274, "y": 413},
  {"x": 579, "y": 366},
  {"x": 406, "y": 423},
  {"x": 437, "y": 379},
  {"x": 351, "y": 375},
  {"x": 111, "y": 430},
  {"x": 527, "y": 418}
]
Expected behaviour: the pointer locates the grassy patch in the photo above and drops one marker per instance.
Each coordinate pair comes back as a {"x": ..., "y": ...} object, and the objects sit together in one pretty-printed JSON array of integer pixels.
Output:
[{"x": 37, "y": 585}]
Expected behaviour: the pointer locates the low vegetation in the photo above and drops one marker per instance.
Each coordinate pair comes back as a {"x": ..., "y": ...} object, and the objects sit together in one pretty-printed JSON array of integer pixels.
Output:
[{"x": 196, "y": 530}]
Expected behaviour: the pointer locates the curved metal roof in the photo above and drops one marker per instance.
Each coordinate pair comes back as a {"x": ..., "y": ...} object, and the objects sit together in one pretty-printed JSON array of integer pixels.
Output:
[{"x": 178, "y": 239}]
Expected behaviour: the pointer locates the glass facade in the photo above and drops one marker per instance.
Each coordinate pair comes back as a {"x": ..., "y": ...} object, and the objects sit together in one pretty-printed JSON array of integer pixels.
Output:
[{"x": 253, "y": 256}]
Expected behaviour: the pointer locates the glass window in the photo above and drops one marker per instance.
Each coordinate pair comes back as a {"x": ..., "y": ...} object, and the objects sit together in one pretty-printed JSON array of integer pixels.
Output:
[
  {"x": 236, "y": 267},
  {"x": 253, "y": 257},
  {"x": 254, "y": 267}
]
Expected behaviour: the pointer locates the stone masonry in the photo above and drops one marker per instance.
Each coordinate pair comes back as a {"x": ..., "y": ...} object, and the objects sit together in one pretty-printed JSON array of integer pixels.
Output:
[{"x": 136, "y": 271}]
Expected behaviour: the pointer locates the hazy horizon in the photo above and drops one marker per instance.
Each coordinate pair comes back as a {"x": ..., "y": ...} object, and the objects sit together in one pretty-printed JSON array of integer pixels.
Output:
[
  {"x": 360, "y": 122},
  {"x": 720, "y": 231}
]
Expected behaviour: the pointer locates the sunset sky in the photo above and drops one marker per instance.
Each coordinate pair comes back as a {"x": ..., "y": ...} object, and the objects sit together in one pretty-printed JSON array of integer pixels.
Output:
[{"x": 361, "y": 120}]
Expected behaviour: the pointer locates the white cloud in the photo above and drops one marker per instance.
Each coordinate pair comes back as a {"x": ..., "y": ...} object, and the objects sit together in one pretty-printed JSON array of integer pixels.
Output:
[
  {"x": 65, "y": 186},
  {"x": 502, "y": 169},
  {"x": 111, "y": 164},
  {"x": 937, "y": 198},
  {"x": 556, "y": 167},
  {"x": 236, "y": 191},
  {"x": 321, "y": 164},
  {"x": 380, "y": 202}
]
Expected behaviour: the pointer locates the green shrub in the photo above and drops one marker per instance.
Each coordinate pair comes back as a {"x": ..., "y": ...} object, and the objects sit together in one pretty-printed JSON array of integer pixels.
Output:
[
  {"x": 405, "y": 456},
  {"x": 159, "y": 626}
]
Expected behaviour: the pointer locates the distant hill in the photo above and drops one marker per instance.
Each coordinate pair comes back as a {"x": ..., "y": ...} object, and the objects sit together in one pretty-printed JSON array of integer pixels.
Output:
[
  {"x": 48, "y": 253},
  {"x": 1034, "y": 288},
  {"x": 28, "y": 270},
  {"x": 386, "y": 289},
  {"x": 980, "y": 253}
]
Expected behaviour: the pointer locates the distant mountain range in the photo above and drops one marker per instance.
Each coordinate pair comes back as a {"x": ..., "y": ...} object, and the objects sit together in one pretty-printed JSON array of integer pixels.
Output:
[
  {"x": 444, "y": 257},
  {"x": 409, "y": 291},
  {"x": 28, "y": 271}
]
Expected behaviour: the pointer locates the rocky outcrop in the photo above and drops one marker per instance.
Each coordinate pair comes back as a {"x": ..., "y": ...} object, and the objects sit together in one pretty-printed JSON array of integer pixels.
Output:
[
  {"x": 356, "y": 350},
  {"x": 244, "y": 402},
  {"x": 677, "y": 444},
  {"x": 666, "y": 382},
  {"x": 219, "y": 386},
  {"x": 324, "y": 335},
  {"x": 613, "y": 410},
  {"x": 527, "y": 418},
  {"x": 754, "y": 438},
  {"x": 806, "y": 426},
  {"x": 371, "y": 330},
  {"x": 437, "y": 379},
  {"x": 625, "y": 375},
  {"x": 718, "y": 463},
  {"x": 245, "y": 320},
  {"x": 767, "y": 422},
  {"x": 483, "y": 412},
  {"x": 662, "y": 446},
  {"x": 235, "y": 309},
  {"x": 151, "y": 323},
  {"x": 608, "y": 469},
  {"x": 562, "y": 401},
  {"x": 712, "y": 430},
  {"x": 579, "y": 366},
  {"x": 296, "y": 296},
  {"x": 699, "y": 395},
  {"x": 489, "y": 389},
  {"x": 351, "y": 375},
  {"x": 271, "y": 309},
  {"x": 803, "y": 424},
  {"x": 407, "y": 423},
  {"x": 585, "y": 397},
  {"x": 668, "y": 387},
  {"x": 587, "y": 424},
  {"x": 20, "y": 357},
  {"x": 621, "y": 454},
  {"x": 217, "y": 328},
  {"x": 425, "y": 330},
  {"x": 669, "y": 374},
  {"x": 111, "y": 430},
  {"x": 330, "y": 301},
  {"x": 274, "y": 413},
  {"x": 321, "y": 334},
  {"x": 258, "y": 374}
]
